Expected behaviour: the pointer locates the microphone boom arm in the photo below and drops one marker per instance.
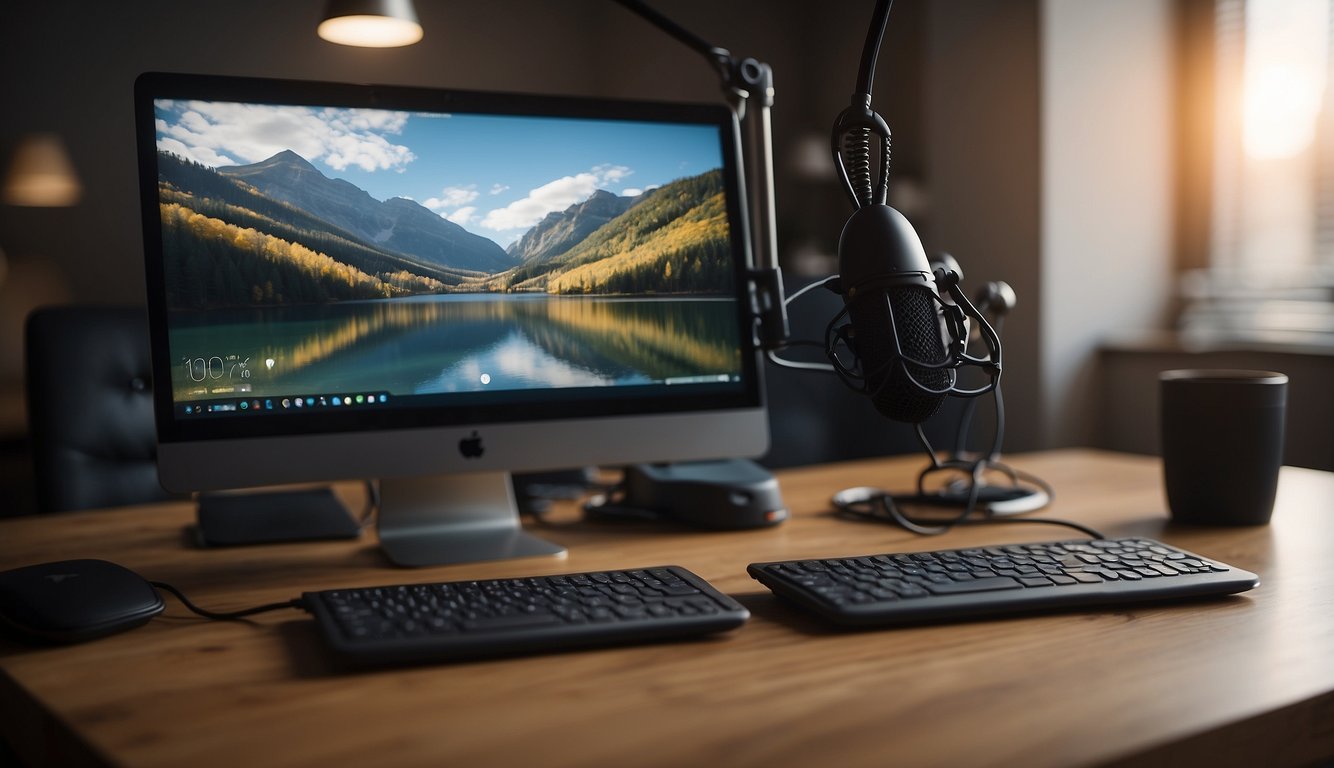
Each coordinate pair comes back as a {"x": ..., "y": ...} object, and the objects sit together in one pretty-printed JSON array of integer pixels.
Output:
[{"x": 748, "y": 85}]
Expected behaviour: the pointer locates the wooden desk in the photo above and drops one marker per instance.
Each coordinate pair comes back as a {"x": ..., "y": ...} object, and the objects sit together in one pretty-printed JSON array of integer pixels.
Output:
[{"x": 1247, "y": 680}]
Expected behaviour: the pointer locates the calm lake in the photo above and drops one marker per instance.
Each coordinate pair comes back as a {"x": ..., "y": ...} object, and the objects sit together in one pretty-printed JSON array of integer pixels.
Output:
[{"x": 452, "y": 343}]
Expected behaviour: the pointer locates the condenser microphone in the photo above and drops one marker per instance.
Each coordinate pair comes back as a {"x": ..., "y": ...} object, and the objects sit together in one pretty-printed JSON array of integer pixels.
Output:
[
  {"x": 907, "y": 323},
  {"x": 897, "y": 328}
]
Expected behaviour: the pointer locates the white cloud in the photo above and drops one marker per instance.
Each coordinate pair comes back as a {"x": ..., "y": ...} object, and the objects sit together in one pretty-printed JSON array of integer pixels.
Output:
[
  {"x": 632, "y": 192},
  {"x": 463, "y": 215},
  {"x": 224, "y": 133},
  {"x": 362, "y": 120},
  {"x": 498, "y": 188},
  {"x": 452, "y": 197},
  {"x": 198, "y": 154},
  {"x": 553, "y": 196},
  {"x": 612, "y": 173}
]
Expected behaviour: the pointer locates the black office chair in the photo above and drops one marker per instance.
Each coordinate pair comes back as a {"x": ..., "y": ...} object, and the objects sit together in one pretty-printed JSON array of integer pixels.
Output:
[{"x": 90, "y": 407}]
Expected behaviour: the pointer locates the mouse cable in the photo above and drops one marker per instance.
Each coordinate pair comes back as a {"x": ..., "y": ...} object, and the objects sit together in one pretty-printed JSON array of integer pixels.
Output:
[{"x": 228, "y": 616}]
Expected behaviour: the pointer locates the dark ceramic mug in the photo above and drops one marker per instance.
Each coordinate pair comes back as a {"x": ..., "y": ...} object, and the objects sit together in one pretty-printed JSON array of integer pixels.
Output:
[{"x": 1222, "y": 444}]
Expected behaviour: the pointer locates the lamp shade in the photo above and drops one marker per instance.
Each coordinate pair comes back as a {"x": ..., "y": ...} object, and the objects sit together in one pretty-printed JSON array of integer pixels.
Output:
[
  {"x": 370, "y": 23},
  {"x": 41, "y": 174}
]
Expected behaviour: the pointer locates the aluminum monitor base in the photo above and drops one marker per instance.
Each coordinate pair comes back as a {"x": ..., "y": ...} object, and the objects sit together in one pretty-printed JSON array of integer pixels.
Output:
[{"x": 454, "y": 518}]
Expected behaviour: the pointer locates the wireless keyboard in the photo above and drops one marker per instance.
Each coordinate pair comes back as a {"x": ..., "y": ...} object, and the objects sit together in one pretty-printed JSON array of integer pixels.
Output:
[
  {"x": 918, "y": 587},
  {"x": 470, "y": 619}
]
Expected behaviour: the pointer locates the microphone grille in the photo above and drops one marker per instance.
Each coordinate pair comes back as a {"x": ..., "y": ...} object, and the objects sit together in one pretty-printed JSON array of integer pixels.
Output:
[{"x": 894, "y": 394}]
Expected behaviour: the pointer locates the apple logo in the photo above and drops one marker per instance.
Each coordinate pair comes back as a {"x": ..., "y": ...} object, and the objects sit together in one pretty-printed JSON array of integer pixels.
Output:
[{"x": 471, "y": 446}]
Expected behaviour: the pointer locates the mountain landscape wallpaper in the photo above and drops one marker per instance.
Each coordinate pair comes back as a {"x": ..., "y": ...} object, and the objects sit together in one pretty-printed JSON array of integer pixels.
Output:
[
  {"x": 282, "y": 230},
  {"x": 429, "y": 253}
]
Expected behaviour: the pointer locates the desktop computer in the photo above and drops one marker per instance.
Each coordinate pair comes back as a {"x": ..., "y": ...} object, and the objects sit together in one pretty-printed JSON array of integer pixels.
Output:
[{"x": 439, "y": 288}]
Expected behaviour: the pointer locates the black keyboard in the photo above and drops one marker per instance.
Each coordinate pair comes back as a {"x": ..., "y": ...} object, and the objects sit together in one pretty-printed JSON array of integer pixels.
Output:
[
  {"x": 918, "y": 587},
  {"x": 472, "y": 619}
]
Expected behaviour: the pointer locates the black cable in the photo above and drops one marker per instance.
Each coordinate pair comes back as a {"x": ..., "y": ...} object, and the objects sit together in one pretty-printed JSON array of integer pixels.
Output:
[
  {"x": 798, "y": 365},
  {"x": 1092, "y": 533},
  {"x": 230, "y": 615},
  {"x": 891, "y": 513}
]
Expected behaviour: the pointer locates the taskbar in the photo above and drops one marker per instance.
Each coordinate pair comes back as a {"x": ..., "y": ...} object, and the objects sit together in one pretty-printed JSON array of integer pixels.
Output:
[
  {"x": 289, "y": 403},
  {"x": 272, "y": 405}
]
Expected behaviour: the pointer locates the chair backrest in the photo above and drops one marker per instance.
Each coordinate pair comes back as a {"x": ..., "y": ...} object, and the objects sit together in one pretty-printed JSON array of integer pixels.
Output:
[{"x": 90, "y": 407}]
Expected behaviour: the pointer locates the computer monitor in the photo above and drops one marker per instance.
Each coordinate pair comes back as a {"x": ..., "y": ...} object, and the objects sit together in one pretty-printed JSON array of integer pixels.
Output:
[{"x": 438, "y": 288}]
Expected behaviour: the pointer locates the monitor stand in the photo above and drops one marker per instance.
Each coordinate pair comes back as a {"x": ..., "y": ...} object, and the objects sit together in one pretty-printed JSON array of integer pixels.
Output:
[
  {"x": 239, "y": 518},
  {"x": 454, "y": 518}
]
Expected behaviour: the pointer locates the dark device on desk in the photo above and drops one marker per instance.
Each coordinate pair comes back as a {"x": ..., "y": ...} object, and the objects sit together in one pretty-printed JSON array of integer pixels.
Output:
[
  {"x": 720, "y": 495},
  {"x": 74, "y": 600},
  {"x": 230, "y": 519}
]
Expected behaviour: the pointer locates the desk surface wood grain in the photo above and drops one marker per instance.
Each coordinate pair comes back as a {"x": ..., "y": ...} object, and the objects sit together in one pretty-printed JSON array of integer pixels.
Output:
[{"x": 1242, "y": 680}]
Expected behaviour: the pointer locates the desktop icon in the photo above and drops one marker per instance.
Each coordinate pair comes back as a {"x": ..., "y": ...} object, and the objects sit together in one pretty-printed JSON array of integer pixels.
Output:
[{"x": 310, "y": 401}]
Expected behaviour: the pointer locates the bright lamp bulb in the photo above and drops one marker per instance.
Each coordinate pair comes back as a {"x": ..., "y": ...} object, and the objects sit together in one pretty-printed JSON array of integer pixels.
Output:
[
  {"x": 370, "y": 31},
  {"x": 370, "y": 23}
]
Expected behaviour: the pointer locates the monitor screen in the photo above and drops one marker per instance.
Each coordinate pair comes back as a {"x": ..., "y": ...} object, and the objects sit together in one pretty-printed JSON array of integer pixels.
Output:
[{"x": 368, "y": 281}]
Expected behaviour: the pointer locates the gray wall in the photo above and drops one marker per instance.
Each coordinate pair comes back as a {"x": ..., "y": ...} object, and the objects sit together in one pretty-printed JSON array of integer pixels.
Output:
[
  {"x": 1107, "y": 195},
  {"x": 1050, "y": 166}
]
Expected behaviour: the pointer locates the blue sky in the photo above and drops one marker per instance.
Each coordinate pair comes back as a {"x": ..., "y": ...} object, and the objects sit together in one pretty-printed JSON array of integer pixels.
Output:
[{"x": 494, "y": 175}]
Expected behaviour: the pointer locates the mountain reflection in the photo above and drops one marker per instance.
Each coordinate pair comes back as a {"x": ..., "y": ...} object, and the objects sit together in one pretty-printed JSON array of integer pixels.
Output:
[{"x": 465, "y": 343}]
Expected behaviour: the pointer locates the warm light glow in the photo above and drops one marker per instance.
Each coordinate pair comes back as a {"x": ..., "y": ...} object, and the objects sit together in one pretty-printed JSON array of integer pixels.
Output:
[
  {"x": 370, "y": 31},
  {"x": 1282, "y": 105},
  {"x": 41, "y": 174},
  {"x": 1284, "y": 80}
]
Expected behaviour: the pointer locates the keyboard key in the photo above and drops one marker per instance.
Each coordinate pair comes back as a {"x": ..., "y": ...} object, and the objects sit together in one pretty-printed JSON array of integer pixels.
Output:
[
  {"x": 976, "y": 585},
  {"x": 511, "y": 621}
]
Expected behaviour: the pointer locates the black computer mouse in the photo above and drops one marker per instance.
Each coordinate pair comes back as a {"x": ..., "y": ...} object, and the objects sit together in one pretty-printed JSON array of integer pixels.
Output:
[{"x": 74, "y": 600}]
